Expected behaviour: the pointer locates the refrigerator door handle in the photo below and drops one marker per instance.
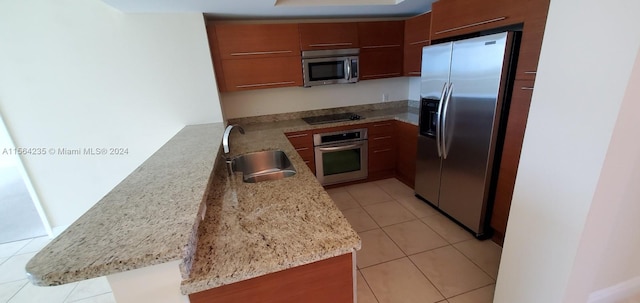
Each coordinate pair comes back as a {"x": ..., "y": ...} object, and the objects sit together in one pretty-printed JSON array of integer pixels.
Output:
[
  {"x": 438, "y": 115},
  {"x": 444, "y": 121}
]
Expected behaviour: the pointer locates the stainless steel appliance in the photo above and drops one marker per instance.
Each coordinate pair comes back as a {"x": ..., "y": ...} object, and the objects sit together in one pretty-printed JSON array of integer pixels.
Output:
[
  {"x": 341, "y": 156},
  {"x": 462, "y": 92},
  {"x": 323, "y": 67}
]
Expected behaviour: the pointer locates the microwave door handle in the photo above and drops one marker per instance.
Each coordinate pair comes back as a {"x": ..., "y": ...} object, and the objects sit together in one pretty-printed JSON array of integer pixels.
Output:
[{"x": 347, "y": 69}]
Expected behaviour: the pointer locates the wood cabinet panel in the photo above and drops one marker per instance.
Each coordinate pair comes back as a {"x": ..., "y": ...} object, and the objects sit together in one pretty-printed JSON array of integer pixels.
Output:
[
  {"x": 383, "y": 63},
  {"x": 215, "y": 56},
  {"x": 381, "y": 148},
  {"x": 257, "y": 73},
  {"x": 407, "y": 150},
  {"x": 416, "y": 36},
  {"x": 257, "y": 40},
  {"x": 381, "y": 49},
  {"x": 303, "y": 143},
  {"x": 380, "y": 34},
  {"x": 381, "y": 128},
  {"x": 318, "y": 36},
  {"x": 456, "y": 17},
  {"x": 516, "y": 125},
  {"x": 532, "y": 34},
  {"x": 329, "y": 280},
  {"x": 382, "y": 159}
]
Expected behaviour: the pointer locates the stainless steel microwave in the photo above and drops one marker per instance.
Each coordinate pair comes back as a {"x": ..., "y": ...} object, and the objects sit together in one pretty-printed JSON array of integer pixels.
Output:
[{"x": 330, "y": 66}]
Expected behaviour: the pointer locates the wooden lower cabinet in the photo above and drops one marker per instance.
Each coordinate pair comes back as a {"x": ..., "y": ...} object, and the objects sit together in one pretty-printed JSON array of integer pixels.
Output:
[
  {"x": 382, "y": 151},
  {"x": 406, "y": 143},
  {"x": 329, "y": 280},
  {"x": 303, "y": 143},
  {"x": 514, "y": 135}
]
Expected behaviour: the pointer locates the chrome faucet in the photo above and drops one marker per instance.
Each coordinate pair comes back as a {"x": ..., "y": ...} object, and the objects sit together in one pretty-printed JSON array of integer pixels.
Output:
[
  {"x": 225, "y": 145},
  {"x": 225, "y": 137}
]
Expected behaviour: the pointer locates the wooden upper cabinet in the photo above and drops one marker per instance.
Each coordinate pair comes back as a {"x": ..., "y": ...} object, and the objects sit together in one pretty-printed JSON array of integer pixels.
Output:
[
  {"x": 416, "y": 36},
  {"x": 381, "y": 49},
  {"x": 380, "y": 34},
  {"x": 258, "y": 73},
  {"x": 532, "y": 34},
  {"x": 319, "y": 36},
  {"x": 237, "y": 41},
  {"x": 215, "y": 56},
  {"x": 456, "y": 17}
]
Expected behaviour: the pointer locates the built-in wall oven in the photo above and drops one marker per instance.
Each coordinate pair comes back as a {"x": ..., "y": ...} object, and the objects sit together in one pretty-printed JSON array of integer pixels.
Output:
[{"x": 341, "y": 156}]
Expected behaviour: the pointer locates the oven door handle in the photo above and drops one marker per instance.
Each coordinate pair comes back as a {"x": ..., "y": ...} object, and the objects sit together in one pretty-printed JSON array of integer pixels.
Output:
[{"x": 339, "y": 148}]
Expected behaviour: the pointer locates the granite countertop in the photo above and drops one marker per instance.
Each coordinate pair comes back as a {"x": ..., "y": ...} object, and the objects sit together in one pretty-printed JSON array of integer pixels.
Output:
[
  {"x": 149, "y": 218},
  {"x": 255, "y": 229},
  {"x": 152, "y": 216}
]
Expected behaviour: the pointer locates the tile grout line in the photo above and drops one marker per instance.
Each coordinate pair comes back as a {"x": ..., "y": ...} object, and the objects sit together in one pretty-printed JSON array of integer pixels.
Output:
[
  {"x": 466, "y": 292},
  {"x": 69, "y": 294},
  {"x": 474, "y": 263},
  {"x": 23, "y": 286},
  {"x": 367, "y": 283},
  {"x": 431, "y": 282}
]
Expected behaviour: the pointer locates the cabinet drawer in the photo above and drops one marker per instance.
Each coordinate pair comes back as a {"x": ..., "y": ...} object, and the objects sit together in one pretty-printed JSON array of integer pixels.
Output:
[
  {"x": 300, "y": 139},
  {"x": 382, "y": 128},
  {"x": 379, "y": 141},
  {"x": 382, "y": 159},
  {"x": 318, "y": 36},
  {"x": 257, "y": 40},
  {"x": 305, "y": 152},
  {"x": 258, "y": 73},
  {"x": 456, "y": 17},
  {"x": 311, "y": 163}
]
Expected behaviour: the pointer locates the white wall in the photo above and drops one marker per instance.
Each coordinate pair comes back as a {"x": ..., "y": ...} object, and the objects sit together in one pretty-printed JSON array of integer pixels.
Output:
[
  {"x": 77, "y": 73},
  {"x": 609, "y": 251},
  {"x": 585, "y": 65},
  {"x": 294, "y": 99}
]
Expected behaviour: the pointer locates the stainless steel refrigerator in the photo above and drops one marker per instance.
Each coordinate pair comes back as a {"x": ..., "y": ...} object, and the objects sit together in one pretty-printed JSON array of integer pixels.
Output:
[{"x": 463, "y": 84}]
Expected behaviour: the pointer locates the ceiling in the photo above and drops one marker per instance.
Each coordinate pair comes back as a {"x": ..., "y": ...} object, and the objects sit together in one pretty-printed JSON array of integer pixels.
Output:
[{"x": 278, "y": 9}]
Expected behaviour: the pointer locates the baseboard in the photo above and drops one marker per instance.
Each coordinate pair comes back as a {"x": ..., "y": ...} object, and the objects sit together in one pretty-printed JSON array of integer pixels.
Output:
[{"x": 615, "y": 293}]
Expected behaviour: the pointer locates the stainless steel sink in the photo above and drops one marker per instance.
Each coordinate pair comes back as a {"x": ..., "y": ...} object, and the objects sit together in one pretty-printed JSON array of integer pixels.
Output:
[{"x": 263, "y": 166}]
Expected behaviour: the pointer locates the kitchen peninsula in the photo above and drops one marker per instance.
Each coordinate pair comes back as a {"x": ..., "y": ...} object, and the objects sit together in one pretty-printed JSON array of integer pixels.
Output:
[{"x": 249, "y": 232}]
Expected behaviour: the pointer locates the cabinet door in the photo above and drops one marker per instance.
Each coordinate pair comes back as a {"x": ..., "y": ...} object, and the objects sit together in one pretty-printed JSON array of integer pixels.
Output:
[
  {"x": 318, "y": 36},
  {"x": 381, "y": 51},
  {"x": 215, "y": 56},
  {"x": 407, "y": 150},
  {"x": 237, "y": 41},
  {"x": 258, "y": 73},
  {"x": 456, "y": 17},
  {"x": 532, "y": 34},
  {"x": 516, "y": 124},
  {"x": 416, "y": 36},
  {"x": 382, "y": 150}
]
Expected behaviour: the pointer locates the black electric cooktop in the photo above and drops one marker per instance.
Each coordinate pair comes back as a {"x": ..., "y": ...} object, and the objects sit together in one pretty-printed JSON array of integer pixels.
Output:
[{"x": 332, "y": 118}]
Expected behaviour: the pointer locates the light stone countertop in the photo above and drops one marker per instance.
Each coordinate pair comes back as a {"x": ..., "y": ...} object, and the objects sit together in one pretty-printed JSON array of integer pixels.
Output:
[
  {"x": 253, "y": 229},
  {"x": 149, "y": 218}
]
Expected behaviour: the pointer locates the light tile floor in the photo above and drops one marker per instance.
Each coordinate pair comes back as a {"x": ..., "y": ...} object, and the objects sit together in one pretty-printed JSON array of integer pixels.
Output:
[
  {"x": 411, "y": 252},
  {"x": 15, "y": 288}
]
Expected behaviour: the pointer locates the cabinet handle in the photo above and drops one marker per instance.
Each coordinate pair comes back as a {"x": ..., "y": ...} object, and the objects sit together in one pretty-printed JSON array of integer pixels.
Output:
[
  {"x": 382, "y": 138},
  {"x": 382, "y": 75},
  {"x": 298, "y": 135},
  {"x": 381, "y": 125},
  {"x": 330, "y": 44},
  {"x": 419, "y": 42},
  {"x": 264, "y": 84},
  {"x": 301, "y": 148},
  {"x": 532, "y": 72},
  {"x": 261, "y": 53},
  {"x": 470, "y": 25},
  {"x": 526, "y": 88},
  {"x": 382, "y": 150},
  {"x": 382, "y": 46}
]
